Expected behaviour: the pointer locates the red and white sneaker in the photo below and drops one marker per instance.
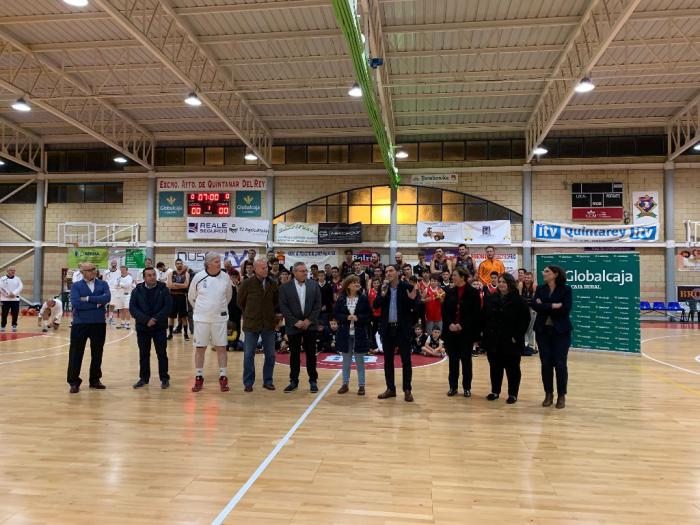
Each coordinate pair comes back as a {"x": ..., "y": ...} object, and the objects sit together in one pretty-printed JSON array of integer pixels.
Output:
[
  {"x": 198, "y": 384},
  {"x": 223, "y": 383}
]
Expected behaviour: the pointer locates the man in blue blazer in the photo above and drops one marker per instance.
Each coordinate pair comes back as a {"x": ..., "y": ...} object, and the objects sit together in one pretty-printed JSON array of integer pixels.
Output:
[{"x": 88, "y": 299}]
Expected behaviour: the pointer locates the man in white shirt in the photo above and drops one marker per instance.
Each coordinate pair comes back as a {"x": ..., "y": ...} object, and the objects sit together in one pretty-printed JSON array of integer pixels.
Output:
[
  {"x": 162, "y": 272},
  {"x": 122, "y": 294},
  {"x": 51, "y": 313},
  {"x": 111, "y": 276},
  {"x": 10, "y": 290},
  {"x": 209, "y": 294}
]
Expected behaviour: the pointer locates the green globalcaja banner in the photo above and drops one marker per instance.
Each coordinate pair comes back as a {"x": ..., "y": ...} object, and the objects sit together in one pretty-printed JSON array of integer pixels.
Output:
[
  {"x": 135, "y": 258},
  {"x": 605, "y": 286},
  {"x": 97, "y": 256}
]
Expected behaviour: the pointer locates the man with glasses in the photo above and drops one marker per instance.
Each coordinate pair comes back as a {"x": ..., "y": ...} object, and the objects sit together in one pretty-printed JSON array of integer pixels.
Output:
[{"x": 89, "y": 298}]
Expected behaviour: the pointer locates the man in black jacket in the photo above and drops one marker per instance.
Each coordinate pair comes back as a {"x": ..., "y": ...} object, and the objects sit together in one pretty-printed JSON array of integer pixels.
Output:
[
  {"x": 150, "y": 306},
  {"x": 397, "y": 300}
]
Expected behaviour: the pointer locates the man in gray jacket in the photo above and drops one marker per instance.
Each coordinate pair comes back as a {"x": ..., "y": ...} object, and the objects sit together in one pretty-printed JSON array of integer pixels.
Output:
[{"x": 300, "y": 303}]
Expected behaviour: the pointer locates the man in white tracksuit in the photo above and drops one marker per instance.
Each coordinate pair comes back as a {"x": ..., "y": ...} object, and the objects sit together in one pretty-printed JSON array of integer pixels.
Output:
[
  {"x": 10, "y": 289},
  {"x": 111, "y": 276},
  {"x": 122, "y": 296},
  {"x": 51, "y": 313},
  {"x": 209, "y": 294}
]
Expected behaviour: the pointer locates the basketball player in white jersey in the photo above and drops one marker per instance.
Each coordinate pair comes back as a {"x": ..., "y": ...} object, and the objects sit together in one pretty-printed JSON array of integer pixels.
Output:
[
  {"x": 124, "y": 286},
  {"x": 51, "y": 314},
  {"x": 110, "y": 277}
]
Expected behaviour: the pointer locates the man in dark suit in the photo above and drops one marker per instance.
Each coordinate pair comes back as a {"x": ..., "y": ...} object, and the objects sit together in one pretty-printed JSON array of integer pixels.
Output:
[
  {"x": 300, "y": 303},
  {"x": 397, "y": 300},
  {"x": 150, "y": 305},
  {"x": 88, "y": 298}
]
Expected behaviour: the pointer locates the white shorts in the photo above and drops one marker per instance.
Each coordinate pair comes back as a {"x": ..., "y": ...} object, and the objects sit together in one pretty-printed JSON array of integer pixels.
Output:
[
  {"x": 210, "y": 334},
  {"x": 120, "y": 301}
]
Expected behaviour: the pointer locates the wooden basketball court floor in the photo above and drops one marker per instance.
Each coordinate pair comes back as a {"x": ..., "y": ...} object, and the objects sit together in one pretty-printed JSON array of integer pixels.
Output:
[{"x": 624, "y": 451}]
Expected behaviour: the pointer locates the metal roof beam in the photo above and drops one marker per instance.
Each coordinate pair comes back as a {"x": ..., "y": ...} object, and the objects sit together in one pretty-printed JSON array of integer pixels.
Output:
[
  {"x": 157, "y": 27},
  {"x": 683, "y": 129},
  {"x": 34, "y": 77},
  {"x": 21, "y": 146},
  {"x": 598, "y": 26}
]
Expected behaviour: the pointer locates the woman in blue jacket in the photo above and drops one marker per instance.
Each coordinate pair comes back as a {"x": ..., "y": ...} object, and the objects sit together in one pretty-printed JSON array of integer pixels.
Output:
[
  {"x": 552, "y": 302},
  {"x": 352, "y": 312}
]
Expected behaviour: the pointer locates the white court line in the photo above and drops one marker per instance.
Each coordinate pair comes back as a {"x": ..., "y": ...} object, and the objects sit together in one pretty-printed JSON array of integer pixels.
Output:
[
  {"x": 3, "y": 354},
  {"x": 659, "y": 361},
  {"x": 54, "y": 355},
  {"x": 252, "y": 479}
]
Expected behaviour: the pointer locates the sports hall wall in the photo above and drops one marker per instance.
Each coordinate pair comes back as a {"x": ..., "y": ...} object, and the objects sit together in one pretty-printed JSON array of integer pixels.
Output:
[{"x": 551, "y": 201}]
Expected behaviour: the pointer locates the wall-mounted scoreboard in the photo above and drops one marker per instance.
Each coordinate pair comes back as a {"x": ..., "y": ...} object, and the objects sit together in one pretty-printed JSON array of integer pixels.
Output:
[
  {"x": 203, "y": 204},
  {"x": 599, "y": 201}
]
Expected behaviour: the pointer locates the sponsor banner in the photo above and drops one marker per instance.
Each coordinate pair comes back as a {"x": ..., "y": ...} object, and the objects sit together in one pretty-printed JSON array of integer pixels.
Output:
[
  {"x": 553, "y": 232},
  {"x": 248, "y": 230},
  {"x": 339, "y": 233},
  {"x": 605, "y": 311},
  {"x": 97, "y": 256},
  {"x": 597, "y": 214},
  {"x": 510, "y": 258},
  {"x": 194, "y": 259},
  {"x": 483, "y": 232},
  {"x": 688, "y": 292},
  {"x": 311, "y": 256},
  {"x": 171, "y": 204},
  {"x": 248, "y": 204},
  {"x": 296, "y": 233},
  {"x": 688, "y": 260},
  {"x": 212, "y": 183},
  {"x": 135, "y": 258},
  {"x": 645, "y": 207},
  {"x": 489, "y": 232},
  {"x": 207, "y": 228},
  {"x": 438, "y": 179},
  {"x": 439, "y": 232}
]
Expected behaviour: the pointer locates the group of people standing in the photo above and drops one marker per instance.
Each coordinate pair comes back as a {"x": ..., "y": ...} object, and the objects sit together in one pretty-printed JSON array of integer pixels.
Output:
[{"x": 497, "y": 316}]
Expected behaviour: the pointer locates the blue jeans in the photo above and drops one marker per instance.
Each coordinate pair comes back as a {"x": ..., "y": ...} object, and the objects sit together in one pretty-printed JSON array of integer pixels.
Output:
[
  {"x": 268, "y": 343},
  {"x": 359, "y": 362}
]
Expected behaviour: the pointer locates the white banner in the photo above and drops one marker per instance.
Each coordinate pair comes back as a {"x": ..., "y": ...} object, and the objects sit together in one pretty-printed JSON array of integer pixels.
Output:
[
  {"x": 489, "y": 232},
  {"x": 438, "y": 179},
  {"x": 212, "y": 183},
  {"x": 311, "y": 256},
  {"x": 248, "y": 230},
  {"x": 207, "y": 228},
  {"x": 485, "y": 232},
  {"x": 645, "y": 207},
  {"x": 194, "y": 259},
  {"x": 552, "y": 232},
  {"x": 296, "y": 233}
]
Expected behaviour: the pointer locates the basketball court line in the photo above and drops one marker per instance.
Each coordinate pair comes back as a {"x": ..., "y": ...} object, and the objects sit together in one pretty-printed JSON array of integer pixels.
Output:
[
  {"x": 54, "y": 355},
  {"x": 272, "y": 455},
  {"x": 659, "y": 361}
]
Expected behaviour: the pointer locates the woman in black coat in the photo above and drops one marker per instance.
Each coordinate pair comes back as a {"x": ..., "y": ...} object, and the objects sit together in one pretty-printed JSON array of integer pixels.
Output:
[
  {"x": 506, "y": 318},
  {"x": 461, "y": 326},
  {"x": 553, "y": 301},
  {"x": 352, "y": 312}
]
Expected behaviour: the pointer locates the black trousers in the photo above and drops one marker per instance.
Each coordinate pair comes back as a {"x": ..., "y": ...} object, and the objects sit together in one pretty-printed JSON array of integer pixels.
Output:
[
  {"x": 79, "y": 335},
  {"x": 459, "y": 351},
  {"x": 554, "y": 350},
  {"x": 508, "y": 361},
  {"x": 373, "y": 329},
  {"x": 144, "y": 336},
  {"x": 391, "y": 339},
  {"x": 306, "y": 342},
  {"x": 7, "y": 307}
]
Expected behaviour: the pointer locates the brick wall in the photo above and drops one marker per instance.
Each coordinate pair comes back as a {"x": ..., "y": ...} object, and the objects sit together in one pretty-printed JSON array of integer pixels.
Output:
[{"x": 687, "y": 197}]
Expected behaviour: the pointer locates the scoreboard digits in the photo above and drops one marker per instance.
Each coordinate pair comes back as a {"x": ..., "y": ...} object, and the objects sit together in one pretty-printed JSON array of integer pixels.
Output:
[{"x": 208, "y": 204}]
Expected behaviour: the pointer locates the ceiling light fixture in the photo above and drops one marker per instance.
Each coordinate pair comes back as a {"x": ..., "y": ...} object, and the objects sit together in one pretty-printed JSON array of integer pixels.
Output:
[
  {"x": 21, "y": 105},
  {"x": 2, "y": 162},
  {"x": 697, "y": 147},
  {"x": 585, "y": 86},
  {"x": 250, "y": 156},
  {"x": 120, "y": 160},
  {"x": 540, "y": 150},
  {"x": 76, "y": 3},
  {"x": 401, "y": 154},
  {"x": 193, "y": 100},
  {"x": 355, "y": 90}
]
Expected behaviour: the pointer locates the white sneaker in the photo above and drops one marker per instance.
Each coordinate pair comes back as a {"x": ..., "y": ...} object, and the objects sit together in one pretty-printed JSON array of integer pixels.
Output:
[{"x": 14, "y": 328}]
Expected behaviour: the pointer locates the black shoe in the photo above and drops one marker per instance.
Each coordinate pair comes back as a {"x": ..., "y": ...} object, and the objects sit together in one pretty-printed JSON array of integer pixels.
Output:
[
  {"x": 98, "y": 386},
  {"x": 170, "y": 336},
  {"x": 269, "y": 386},
  {"x": 451, "y": 393},
  {"x": 165, "y": 384},
  {"x": 187, "y": 337},
  {"x": 511, "y": 400},
  {"x": 467, "y": 393},
  {"x": 291, "y": 388},
  {"x": 74, "y": 389},
  {"x": 248, "y": 388},
  {"x": 140, "y": 383},
  {"x": 314, "y": 387},
  {"x": 492, "y": 396}
]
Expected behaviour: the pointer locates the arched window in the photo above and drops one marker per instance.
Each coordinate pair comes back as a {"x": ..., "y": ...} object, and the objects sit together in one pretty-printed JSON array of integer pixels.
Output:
[{"x": 372, "y": 205}]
